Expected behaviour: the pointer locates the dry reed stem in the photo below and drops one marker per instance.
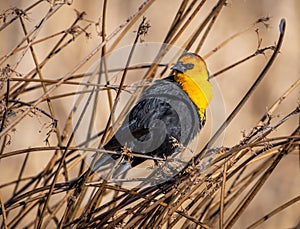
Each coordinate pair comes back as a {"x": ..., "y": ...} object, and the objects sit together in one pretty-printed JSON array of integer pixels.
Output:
[{"x": 214, "y": 189}]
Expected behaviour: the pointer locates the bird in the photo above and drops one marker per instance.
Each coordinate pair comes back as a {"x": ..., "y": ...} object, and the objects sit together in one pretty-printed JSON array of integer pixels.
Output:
[{"x": 168, "y": 114}]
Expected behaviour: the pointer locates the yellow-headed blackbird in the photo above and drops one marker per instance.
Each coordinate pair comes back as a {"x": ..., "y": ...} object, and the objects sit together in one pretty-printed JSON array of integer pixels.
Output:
[{"x": 169, "y": 113}]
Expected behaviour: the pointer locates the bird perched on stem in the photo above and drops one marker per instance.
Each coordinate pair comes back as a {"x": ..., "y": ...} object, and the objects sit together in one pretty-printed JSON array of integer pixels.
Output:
[{"x": 168, "y": 114}]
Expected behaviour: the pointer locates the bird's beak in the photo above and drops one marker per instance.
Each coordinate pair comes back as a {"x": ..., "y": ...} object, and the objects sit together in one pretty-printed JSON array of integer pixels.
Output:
[{"x": 179, "y": 67}]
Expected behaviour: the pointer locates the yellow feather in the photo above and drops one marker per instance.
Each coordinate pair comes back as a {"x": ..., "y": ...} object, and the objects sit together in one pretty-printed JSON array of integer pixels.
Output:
[{"x": 195, "y": 83}]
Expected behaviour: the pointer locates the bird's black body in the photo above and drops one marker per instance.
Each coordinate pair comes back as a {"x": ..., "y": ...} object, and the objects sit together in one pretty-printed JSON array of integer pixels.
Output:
[{"x": 163, "y": 118}]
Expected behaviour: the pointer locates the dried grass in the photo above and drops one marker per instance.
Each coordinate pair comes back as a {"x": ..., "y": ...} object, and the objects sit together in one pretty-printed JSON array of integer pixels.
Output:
[{"x": 213, "y": 190}]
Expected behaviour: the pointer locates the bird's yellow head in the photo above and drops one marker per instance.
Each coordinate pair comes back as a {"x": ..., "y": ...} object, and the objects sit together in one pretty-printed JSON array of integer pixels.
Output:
[{"x": 192, "y": 75}]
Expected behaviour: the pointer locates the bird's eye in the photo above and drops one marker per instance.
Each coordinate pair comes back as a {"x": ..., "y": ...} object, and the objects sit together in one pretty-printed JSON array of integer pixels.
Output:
[{"x": 189, "y": 66}]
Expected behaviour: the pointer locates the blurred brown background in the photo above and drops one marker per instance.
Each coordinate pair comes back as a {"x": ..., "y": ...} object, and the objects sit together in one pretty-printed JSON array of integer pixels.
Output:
[{"x": 237, "y": 15}]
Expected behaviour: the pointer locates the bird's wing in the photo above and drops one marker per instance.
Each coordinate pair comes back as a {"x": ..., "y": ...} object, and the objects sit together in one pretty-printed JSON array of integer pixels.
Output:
[{"x": 146, "y": 114}]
